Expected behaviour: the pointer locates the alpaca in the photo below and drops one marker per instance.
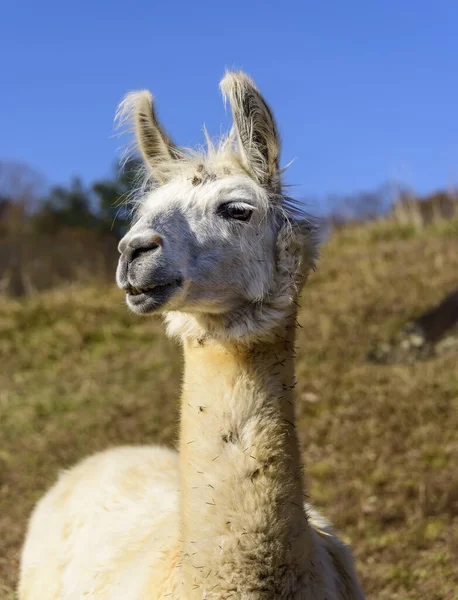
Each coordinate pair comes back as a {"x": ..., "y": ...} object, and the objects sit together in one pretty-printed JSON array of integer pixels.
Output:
[{"x": 218, "y": 249}]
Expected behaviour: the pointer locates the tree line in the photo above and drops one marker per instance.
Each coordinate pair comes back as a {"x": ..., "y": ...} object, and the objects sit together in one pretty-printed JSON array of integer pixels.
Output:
[{"x": 49, "y": 236}]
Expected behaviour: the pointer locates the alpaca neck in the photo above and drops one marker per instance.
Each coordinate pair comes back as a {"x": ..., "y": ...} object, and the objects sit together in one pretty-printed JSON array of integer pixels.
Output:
[{"x": 242, "y": 518}]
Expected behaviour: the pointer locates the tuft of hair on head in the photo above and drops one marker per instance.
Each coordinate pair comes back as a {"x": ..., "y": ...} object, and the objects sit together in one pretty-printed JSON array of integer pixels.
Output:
[{"x": 256, "y": 129}]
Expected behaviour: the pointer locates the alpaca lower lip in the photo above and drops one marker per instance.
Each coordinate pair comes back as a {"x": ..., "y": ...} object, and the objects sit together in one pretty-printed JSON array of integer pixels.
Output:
[{"x": 149, "y": 299}]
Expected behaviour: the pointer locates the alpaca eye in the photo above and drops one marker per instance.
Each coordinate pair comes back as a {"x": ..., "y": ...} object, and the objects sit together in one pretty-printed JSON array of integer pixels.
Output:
[{"x": 239, "y": 212}]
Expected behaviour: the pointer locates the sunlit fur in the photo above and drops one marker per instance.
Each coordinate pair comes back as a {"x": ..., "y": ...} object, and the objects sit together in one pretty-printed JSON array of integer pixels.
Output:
[{"x": 224, "y": 518}]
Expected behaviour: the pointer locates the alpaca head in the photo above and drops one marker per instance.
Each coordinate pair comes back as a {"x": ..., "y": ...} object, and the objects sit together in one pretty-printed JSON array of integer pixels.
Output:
[{"x": 215, "y": 245}]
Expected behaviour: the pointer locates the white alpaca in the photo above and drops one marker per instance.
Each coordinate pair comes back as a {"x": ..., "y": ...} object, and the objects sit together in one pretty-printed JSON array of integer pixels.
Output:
[{"x": 220, "y": 251}]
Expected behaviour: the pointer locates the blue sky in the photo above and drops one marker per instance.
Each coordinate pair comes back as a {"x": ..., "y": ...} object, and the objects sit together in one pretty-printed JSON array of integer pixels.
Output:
[{"x": 364, "y": 92}]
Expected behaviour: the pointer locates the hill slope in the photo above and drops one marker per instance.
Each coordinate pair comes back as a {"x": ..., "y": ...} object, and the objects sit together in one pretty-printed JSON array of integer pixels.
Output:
[{"x": 380, "y": 443}]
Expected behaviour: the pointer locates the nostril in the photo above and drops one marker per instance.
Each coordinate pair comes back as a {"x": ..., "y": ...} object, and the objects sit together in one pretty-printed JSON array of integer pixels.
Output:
[
  {"x": 139, "y": 244},
  {"x": 139, "y": 251},
  {"x": 151, "y": 245}
]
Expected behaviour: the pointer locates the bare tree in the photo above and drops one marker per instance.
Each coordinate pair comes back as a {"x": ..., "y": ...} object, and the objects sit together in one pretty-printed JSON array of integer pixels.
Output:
[{"x": 20, "y": 190}]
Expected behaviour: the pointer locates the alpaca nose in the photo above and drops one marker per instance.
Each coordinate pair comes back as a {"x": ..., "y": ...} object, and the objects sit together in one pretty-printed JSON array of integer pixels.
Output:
[{"x": 133, "y": 247}]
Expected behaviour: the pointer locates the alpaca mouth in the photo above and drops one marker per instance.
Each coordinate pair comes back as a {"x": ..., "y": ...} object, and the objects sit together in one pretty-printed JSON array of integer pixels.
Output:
[{"x": 150, "y": 298}]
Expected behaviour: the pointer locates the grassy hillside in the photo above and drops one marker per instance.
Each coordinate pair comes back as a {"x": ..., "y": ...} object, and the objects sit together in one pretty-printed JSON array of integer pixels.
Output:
[{"x": 380, "y": 443}]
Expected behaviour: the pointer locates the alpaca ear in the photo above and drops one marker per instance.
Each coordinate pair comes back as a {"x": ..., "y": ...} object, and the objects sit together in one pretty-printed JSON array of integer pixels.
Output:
[
  {"x": 155, "y": 146},
  {"x": 256, "y": 128}
]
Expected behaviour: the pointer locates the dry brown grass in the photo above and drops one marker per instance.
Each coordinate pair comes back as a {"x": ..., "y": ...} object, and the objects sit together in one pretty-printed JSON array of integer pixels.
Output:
[{"x": 380, "y": 443}]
